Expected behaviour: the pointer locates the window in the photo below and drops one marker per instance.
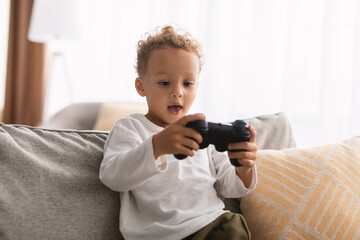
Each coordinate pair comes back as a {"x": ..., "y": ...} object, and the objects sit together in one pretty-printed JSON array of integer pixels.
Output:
[
  {"x": 298, "y": 57},
  {"x": 4, "y": 29}
]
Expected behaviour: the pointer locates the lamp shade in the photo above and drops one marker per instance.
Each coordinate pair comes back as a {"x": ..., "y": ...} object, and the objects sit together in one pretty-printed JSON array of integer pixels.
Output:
[{"x": 55, "y": 19}]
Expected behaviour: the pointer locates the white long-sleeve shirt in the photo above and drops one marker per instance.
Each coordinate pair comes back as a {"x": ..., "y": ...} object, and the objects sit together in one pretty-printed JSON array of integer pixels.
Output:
[{"x": 165, "y": 198}]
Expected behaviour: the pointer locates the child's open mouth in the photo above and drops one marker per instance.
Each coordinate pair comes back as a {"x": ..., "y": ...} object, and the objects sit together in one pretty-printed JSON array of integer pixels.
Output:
[{"x": 175, "y": 109}]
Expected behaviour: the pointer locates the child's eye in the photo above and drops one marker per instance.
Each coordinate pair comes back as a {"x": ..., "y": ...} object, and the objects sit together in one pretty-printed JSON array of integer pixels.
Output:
[
  {"x": 188, "y": 84},
  {"x": 164, "y": 83}
]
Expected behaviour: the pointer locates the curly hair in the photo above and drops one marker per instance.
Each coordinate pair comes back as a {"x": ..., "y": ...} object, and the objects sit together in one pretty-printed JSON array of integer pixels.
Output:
[{"x": 166, "y": 37}]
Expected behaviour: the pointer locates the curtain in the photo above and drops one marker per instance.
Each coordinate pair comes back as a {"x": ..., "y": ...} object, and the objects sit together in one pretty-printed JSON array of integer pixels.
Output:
[
  {"x": 25, "y": 79},
  {"x": 261, "y": 57}
]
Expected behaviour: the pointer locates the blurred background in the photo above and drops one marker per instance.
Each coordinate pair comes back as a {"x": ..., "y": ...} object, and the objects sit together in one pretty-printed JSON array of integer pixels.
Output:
[{"x": 260, "y": 57}]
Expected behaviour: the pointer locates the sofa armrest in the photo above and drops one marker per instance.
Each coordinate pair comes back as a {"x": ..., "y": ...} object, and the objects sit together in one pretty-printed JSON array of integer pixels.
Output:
[
  {"x": 50, "y": 187},
  {"x": 79, "y": 116},
  {"x": 92, "y": 115},
  {"x": 273, "y": 131}
]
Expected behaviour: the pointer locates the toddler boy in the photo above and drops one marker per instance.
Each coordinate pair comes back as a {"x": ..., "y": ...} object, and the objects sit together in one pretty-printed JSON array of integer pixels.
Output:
[{"x": 162, "y": 197}]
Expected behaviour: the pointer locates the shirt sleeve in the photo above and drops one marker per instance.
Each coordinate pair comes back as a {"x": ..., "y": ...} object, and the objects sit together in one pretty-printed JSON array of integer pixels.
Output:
[
  {"x": 128, "y": 159},
  {"x": 229, "y": 185}
]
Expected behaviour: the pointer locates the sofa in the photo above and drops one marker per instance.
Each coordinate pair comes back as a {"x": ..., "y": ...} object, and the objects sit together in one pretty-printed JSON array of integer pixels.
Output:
[{"x": 50, "y": 189}]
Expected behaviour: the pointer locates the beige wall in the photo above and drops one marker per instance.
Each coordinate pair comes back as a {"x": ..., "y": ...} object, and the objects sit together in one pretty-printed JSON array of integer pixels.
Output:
[{"x": 4, "y": 29}]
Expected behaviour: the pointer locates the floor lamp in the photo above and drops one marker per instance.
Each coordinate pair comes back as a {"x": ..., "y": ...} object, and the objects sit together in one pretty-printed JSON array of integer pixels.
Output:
[{"x": 53, "y": 21}]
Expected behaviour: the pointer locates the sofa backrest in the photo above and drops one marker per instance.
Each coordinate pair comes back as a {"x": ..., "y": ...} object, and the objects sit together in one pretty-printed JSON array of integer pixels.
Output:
[{"x": 49, "y": 184}]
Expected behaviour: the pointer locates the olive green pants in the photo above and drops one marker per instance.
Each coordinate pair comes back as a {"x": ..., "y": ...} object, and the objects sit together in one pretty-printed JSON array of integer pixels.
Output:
[{"x": 229, "y": 226}]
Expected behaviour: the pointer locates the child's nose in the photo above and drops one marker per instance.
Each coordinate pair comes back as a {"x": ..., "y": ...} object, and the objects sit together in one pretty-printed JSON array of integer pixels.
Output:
[{"x": 177, "y": 91}]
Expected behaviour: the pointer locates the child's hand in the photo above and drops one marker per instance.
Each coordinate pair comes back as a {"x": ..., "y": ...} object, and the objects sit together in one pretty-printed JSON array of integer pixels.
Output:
[
  {"x": 246, "y": 158},
  {"x": 178, "y": 139}
]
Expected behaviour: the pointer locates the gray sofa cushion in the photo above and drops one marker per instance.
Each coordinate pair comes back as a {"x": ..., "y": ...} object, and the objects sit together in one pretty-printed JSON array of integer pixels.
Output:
[{"x": 49, "y": 185}]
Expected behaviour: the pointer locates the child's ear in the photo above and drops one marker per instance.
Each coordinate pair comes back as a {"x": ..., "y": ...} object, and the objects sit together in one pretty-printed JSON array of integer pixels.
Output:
[{"x": 139, "y": 87}]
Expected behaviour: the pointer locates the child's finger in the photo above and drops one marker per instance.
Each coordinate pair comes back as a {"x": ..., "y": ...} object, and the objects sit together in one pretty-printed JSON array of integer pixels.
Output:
[
  {"x": 192, "y": 117},
  {"x": 193, "y": 134},
  {"x": 246, "y": 162},
  {"x": 190, "y": 143},
  {"x": 243, "y": 155},
  {"x": 252, "y": 133},
  {"x": 185, "y": 151},
  {"x": 247, "y": 146}
]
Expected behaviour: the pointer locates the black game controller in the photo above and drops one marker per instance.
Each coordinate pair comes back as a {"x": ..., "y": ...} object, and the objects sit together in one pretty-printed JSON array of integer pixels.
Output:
[{"x": 220, "y": 135}]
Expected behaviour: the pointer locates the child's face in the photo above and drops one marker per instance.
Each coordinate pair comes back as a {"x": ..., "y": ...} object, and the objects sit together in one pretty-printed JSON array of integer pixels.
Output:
[{"x": 169, "y": 84}]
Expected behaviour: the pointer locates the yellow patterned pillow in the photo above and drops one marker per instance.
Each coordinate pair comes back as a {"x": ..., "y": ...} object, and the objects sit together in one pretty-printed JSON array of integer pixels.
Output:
[{"x": 306, "y": 193}]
